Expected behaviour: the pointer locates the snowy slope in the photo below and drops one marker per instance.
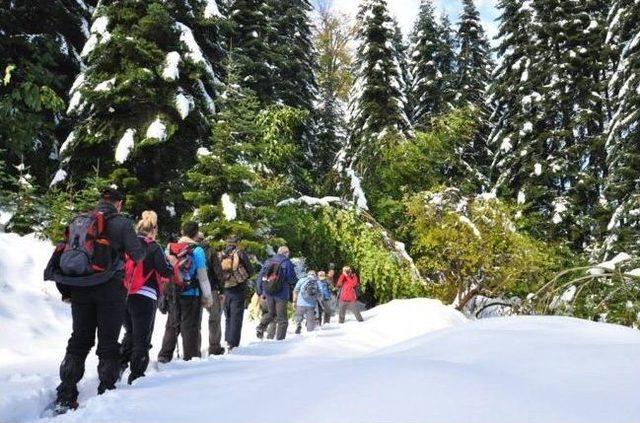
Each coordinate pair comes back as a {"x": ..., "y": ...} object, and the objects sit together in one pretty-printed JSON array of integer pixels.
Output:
[{"x": 411, "y": 360}]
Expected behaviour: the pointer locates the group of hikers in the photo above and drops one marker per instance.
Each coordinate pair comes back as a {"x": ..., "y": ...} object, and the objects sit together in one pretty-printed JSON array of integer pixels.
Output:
[{"x": 115, "y": 274}]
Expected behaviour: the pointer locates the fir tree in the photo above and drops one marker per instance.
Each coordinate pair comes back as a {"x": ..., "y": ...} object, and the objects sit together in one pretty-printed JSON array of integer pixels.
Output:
[
  {"x": 44, "y": 57},
  {"x": 549, "y": 146},
  {"x": 446, "y": 61},
  {"x": 377, "y": 103},
  {"x": 623, "y": 143},
  {"x": 27, "y": 209},
  {"x": 431, "y": 66},
  {"x": 248, "y": 39},
  {"x": 145, "y": 102},
  {"x": 474, "y": 61},
  {"x": 331, "y": 42}
]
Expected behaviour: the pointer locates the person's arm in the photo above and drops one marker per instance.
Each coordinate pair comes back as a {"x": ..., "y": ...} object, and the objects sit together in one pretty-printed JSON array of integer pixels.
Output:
[
  {"x": 132, "y": 244},
  {"x": 203, "y": 277},
  {"x": 161, "y": 264},
  {"x": 340, "y": 280},
  {"x": 244, "y": 261},
  {"x": 290, "y": 272},
  {"x": 259, "y": 280}
]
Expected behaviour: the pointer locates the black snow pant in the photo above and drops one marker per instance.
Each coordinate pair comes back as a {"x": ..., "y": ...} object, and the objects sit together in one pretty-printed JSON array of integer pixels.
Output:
[
  {"x": 138, "y": 323},
  {"x": 233, "y": 314},
  {"x": 277, "y": 312},
  {"x": 97, "y": 308},
  {"x": 184, "y": 318}
]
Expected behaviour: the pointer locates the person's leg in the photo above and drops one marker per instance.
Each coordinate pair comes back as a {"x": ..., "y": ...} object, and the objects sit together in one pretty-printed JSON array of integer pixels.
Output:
[
  {"x": 355, "y": 309},
  {"x": 215, "y": 329},
  {"x": 191, "y": 313},
  {"x": 327, "y": 311},
  {"x": 267, "y": 318},
  {"x": 310, "y": 315},
  {"x": 171, "y": 332},
  {"x": 126, "y": 346},
  {"x": 282, "y": 319},
  {"x": 143, "y": 311},
  {"x": 298, "y": 317},
  {"x": 236, "y": 316},
  {"x": 342, "y": 311},
  {"x": 80, "y": 343},
  {"x": 110, "y": 318}
]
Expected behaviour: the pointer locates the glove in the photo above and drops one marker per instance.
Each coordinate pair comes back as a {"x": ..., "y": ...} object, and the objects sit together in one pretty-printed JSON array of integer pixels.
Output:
[{"x": 207, "y": 302}]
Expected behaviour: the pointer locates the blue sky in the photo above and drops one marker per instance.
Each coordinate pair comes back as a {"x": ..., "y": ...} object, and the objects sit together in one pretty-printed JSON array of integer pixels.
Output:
[{"x": 406, "y": 10}]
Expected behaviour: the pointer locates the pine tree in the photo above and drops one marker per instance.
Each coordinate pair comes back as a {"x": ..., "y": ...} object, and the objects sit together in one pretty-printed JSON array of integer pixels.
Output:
[
  {"x": 474, "y": 60},
  {"x": 548, "y": 139},
  {"x": 623, "y": 143},
  {"x": 377, "y": 104},
  {"x": 145, "y": 103},
  {"x": 431, "y": 65},
  {"x": 27, "y": 210},
  {"x": 446, "y": 61},
  {"x": 248, "y": 39},
  {"x": 331, "y": 41},
  {"x": 43, "y": 55}
]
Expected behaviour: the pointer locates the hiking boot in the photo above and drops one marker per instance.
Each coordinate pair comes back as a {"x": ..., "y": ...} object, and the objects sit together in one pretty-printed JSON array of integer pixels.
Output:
[
  {"x": 217, "y": 351},
  {"x": 66, "y": 398},
  {"x": 134, "y": 376},
  {"x": 62, "y": 407},
  {"x": 103, "y": 387},
  {"x": 298, "y": 329},
  {"x": 260, "y": 334},
  {"x": 163, "y": 360}
]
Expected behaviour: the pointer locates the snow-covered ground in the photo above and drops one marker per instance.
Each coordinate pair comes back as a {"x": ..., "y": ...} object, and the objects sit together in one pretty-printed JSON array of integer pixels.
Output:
[{"x": 411, "y": 360}]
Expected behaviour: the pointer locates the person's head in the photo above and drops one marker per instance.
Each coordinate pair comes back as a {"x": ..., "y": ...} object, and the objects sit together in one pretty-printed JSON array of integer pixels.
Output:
[
  {"x": 346, "y": 270},
  {"x": 190, "y": 229},
  {"x": 148, "y": 224},
  {"x": 322, "y": 275},
  {"x": 112, "y": 195},
  {"x": 232, "y": 240},
  {"x": 311, "y": 274},
  {"x": 284, "y": 250},
  {"x": 199, "y": 237}
]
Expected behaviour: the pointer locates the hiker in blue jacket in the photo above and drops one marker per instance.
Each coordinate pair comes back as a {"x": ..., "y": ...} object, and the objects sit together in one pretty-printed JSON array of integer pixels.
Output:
[
  {"x": 274, "y": 285},
  {"x": 305, "y": 299}
]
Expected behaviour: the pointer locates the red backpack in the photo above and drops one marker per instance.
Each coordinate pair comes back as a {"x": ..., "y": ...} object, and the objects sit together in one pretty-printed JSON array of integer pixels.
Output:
[
  {"x": 134, "y": 277},
  {"x": 87, "y": 250},
  {"x": 183, "y": 251}
]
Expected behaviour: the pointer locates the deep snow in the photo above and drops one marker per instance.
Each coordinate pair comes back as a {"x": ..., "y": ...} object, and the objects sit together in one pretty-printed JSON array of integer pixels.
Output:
[{"x": 411, "y": 360}]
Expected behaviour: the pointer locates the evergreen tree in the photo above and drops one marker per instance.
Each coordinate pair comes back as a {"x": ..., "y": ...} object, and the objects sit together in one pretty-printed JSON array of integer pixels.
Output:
[
  {"x": 248, "y": 39},
  {"x": 623, "y": 143},
  {"x": 376, "y": 101},
  {"x": 43, "y": 55},
  {"x": 446, "y": 60},
  {"x": 331, "y": 42},
  {"x": 144, "y": 104},
  {"x": 27, "y": 209},
  {"x": 474, "y": 60},
  {"x": 431, "y": 66},
  {"x": 549, "y": 146}
]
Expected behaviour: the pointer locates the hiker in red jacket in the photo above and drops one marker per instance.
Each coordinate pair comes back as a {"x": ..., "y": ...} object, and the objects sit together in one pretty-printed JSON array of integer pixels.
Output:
[
  {"x": 348, "y": 284},
  {"x": 144, "y": 283}
]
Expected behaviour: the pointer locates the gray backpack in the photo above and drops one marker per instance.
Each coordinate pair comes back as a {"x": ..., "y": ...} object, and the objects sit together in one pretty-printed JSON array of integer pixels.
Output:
[{"x": 310, "y": 291}]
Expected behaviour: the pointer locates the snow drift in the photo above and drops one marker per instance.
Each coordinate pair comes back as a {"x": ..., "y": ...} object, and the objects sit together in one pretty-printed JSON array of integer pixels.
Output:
[{"x": 411, "y": 360}]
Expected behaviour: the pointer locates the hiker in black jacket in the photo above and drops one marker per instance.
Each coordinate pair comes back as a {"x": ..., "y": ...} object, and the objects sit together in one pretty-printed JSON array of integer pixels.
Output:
[{"x": 98, "y": 307}]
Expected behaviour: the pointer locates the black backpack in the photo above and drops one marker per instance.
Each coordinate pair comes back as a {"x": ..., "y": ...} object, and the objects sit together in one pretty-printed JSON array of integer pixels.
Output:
[{"x": 272, "y": 281}]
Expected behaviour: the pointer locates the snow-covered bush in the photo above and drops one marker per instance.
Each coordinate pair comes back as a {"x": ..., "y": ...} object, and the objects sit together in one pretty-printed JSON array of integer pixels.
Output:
[
  {"x": 608, "y": 291},
  {"x": 471, "y": 247}
]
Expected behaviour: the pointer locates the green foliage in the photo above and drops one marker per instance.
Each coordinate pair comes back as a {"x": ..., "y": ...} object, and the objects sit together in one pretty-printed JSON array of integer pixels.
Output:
[
  {"x": 471, "y": 246},
  {"x": 325, "y": 235},
  {"x": 429, "y": 159},
  {"x": 64, "y": 201},
  {"x": 608, "y": 292},
  {"x": 25, "y": 204}
]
